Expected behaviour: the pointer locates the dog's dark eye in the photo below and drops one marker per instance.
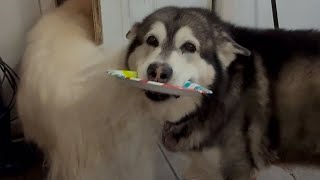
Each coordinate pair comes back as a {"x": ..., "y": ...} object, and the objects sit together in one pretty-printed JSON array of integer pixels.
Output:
[
  {"x": 188, "y": 47},
  {"x": 153, "y": 41}
]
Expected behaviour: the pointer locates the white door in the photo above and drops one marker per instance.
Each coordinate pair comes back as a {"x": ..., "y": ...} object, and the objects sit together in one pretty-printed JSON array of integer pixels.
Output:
[{"x": 119, "y": 15}]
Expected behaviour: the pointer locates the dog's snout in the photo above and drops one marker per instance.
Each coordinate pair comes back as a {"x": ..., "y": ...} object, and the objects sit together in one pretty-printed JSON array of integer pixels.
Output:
[{"x": 159, "y": 72}]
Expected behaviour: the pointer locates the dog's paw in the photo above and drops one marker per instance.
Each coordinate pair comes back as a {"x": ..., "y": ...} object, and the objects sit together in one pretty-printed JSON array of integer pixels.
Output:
[{"x": 174, "y": 136}]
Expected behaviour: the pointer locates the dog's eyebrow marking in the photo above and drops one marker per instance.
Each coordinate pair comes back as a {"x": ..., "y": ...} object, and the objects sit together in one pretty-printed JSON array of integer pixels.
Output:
[
  {"x": 185, "y": 34},
  {"x": 159, "y": 30}
]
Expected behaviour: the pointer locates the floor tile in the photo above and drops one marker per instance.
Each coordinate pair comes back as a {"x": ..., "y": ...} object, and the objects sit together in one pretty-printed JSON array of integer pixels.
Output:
[
  {"x": 306, "y": 173},
  {"x": 274, "y": 173},
  {"x": 181, "y": 163},
  {"x": 163, "y": 170}
]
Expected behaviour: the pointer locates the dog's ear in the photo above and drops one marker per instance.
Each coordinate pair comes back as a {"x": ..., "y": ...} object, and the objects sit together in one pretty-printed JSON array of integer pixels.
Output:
[
  {"x": 227, "y": 48},
  {"x": 133, "y": 31}
]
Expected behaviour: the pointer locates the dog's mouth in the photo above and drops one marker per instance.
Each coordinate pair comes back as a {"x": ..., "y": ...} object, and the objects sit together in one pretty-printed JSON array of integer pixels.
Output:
[{"x": 158, "y": 97}]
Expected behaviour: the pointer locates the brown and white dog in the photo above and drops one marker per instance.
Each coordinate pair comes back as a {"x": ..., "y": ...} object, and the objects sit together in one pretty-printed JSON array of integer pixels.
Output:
[{"x": 266, "y": 106}]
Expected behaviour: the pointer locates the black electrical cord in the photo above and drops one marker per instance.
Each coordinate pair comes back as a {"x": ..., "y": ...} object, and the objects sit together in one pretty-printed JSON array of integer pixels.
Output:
[
  {"x": 275, "y": 14},
  {"x": 10, "y": 76},
  {"x": 15, "y": 155}
]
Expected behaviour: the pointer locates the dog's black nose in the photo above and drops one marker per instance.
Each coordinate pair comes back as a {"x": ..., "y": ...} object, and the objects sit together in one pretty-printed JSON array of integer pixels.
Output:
[{"x": 159, "y": 72}]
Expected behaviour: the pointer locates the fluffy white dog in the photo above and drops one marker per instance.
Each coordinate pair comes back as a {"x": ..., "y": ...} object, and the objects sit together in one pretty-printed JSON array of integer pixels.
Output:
[{"x": 89, "y": 126}]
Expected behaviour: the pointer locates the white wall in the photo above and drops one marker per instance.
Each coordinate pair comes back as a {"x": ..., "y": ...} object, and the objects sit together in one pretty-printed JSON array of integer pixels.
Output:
[
  {"x": 299, "y": 13},
  {"x": 253, "y": 13},
  {"x": 16, "y": 17},
  {"x": 293, "y": 14}
]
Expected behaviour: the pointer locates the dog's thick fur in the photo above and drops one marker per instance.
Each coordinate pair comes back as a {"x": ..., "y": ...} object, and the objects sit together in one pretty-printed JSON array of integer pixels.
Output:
[
  {"x": 265, "y": 108},
  {"x": 89, "y": 126}
]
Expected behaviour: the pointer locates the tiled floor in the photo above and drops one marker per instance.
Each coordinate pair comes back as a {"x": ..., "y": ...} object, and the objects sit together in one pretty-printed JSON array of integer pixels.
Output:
[
  {"x": 179, "y": 163},
  {"x": 170, "y": 167}
]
